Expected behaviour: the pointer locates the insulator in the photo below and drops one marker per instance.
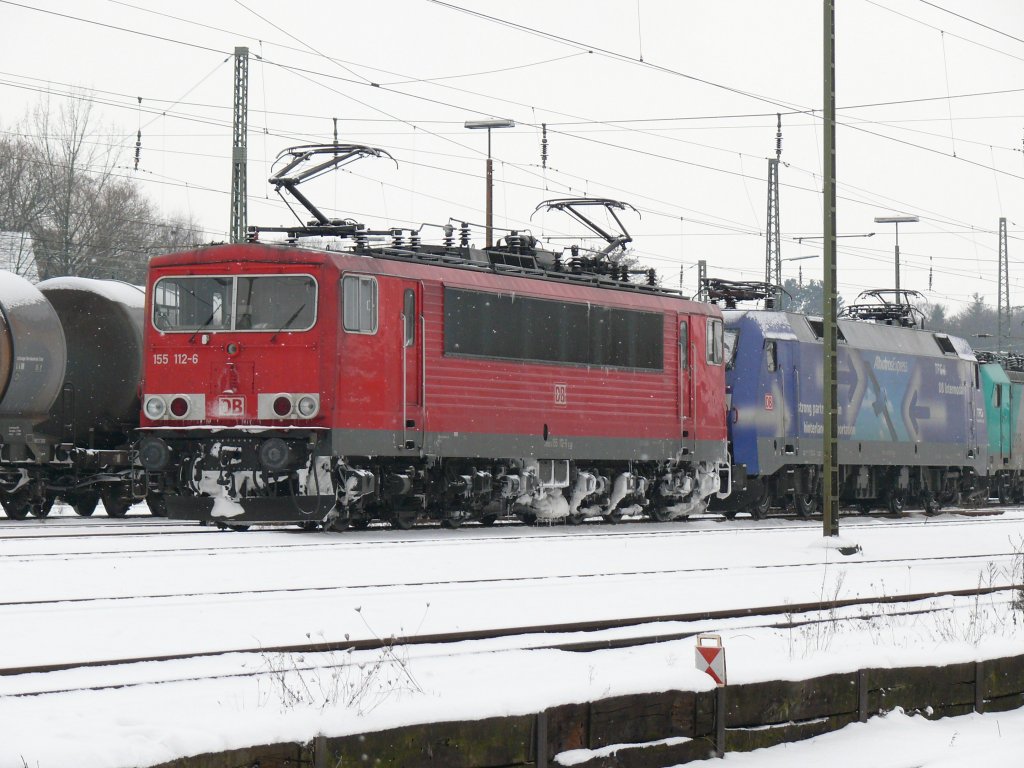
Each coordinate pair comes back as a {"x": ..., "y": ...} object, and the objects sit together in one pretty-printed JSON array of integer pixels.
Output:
[
  {"x": 512, "y": 241},
  {"x": 414, "y": 241},
  {"x": 449, "y": 236},
  {"x": 138, "y": 147},
  {"x": 652, "y": 277},
  {"x": 543, "y": 145},
  {"x": 558, "y": 262},
  {"x": 464, "y": 235},
  {"x": 361, "y": 239},
  {"x": 396, "y": 238}
]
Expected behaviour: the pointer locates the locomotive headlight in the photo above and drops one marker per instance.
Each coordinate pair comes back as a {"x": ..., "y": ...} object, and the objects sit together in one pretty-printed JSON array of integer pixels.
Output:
[
  {"x": 155, "y": 407},
  {"x": 307, "y": 406}
]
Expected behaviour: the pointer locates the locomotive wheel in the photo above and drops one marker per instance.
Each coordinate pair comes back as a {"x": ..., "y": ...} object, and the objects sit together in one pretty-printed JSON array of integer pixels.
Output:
[
  {"x": 931, "y": 504},
  {"x": 403, "y": 519},
  {"x": 1003, "y": 492},
  {"x": 614, "y": 517},
  {"x": 661, "y": 514},
  {"x": 759, "y": 509},
  {"x": 528, "y": 518},
  {"x": 114, "y": 502},
  {"x": 806, "y": 504},
  {"x": 451, "y": 523},
  {"x": 84, "y": 504},
  {"x": 359, "y": 523},
  {"x": 864, "y": 507},
  {"x": 488, "y": 520},
  {"x": 576, "y": 519}
]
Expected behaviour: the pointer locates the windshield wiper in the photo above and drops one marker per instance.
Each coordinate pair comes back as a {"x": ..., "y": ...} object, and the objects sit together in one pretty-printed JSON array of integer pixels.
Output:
[
  {"x": 206, "y": 323},
  {"x": 288, "y": 322}
]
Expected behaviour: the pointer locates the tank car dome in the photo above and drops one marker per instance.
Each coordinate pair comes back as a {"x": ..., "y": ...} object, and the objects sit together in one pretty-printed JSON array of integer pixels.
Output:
[
  {"x": 102, "y": 321},
  {"x": 32, "y": 355}
]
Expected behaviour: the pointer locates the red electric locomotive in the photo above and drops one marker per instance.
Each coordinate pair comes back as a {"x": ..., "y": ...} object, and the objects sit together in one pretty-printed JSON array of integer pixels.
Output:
[{"x": 406, "y": 381}]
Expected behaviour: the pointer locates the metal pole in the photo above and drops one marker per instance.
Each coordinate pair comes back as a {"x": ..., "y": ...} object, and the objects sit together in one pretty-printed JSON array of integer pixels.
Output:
[
  {"x": 830, "y": 459},
  {"x": 897, "y": 263},
  {"x": 489, "y": 239},
  {"x": 239, "y": 152}
]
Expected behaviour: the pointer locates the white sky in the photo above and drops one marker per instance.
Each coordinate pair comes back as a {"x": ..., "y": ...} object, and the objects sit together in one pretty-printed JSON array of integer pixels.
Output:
[{"x": 698, "y": 176}]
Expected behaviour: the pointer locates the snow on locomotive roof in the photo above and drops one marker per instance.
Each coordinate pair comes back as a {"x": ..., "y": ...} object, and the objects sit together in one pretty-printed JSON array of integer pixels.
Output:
[{"x": 112, "y": 290}]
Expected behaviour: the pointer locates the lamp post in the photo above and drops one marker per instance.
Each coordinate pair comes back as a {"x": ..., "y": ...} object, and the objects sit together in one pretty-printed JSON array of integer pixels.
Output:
[
  {"x": 489, "y": 124},
  {"x": 897, "y": 220},
  {"x": 802, "y": 258}
]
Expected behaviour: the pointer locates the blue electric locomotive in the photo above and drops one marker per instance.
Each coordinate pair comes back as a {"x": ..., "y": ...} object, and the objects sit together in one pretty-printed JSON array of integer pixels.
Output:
[{"x": 911, "y": 422}]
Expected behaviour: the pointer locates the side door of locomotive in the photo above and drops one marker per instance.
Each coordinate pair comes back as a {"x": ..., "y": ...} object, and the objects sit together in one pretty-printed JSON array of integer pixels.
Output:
[{"x": 412, "y": 352}]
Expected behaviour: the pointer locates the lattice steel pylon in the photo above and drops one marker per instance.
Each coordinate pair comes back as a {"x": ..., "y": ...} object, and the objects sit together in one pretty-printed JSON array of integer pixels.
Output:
[
  {"x": 239, "y": 151},
  {"x": 1003, "y": 305},
  {"x": 773, "y": 251}
]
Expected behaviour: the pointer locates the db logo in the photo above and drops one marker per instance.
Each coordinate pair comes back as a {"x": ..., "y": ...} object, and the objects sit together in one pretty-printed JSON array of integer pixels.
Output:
[
  {"x": 233, "y": 406},
  {"x": 769, "y": 402},
  {"x": 561, "y": 394}
]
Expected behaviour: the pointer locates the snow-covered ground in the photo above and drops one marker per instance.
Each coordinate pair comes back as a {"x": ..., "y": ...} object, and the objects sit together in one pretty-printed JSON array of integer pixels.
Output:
[{"x": 379, "y": 582}]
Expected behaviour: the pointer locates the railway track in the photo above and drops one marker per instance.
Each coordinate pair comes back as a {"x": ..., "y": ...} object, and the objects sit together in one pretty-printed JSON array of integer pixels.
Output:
[
  {"x": 647, "y": 630},
  {"x": 243, "y": 542},
  {"x": 498, "y": 580}
]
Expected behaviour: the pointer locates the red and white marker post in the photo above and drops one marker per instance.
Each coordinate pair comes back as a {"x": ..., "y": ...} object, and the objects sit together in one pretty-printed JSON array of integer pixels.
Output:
[{"x": 710, "y": 657}]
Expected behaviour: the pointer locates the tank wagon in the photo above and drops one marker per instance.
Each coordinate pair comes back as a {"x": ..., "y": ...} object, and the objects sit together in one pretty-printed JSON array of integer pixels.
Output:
[
  {"x": 911, "y": 425},
  {"x": 71, "y": 404}
]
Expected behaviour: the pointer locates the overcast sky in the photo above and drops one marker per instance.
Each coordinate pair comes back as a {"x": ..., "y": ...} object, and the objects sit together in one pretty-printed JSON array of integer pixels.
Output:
[{"x": 666, "y": 104}]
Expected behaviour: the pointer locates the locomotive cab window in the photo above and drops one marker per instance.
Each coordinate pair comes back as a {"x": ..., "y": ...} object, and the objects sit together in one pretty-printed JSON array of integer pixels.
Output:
[
  {"x": 275, "y": 303},
  {"x": 359, "y": 304},
  {"x": 771, "y": 356},
  {"x": 715, "y": 343},
  {"x": 190, "y": 303},
  {"x": 729, "y": 340}
]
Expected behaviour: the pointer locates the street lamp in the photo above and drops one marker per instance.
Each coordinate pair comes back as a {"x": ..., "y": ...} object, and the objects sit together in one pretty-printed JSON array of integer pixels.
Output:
[
  {"x": 897, "y": 220},
  {"x": 803, "y": 258},
  {"x": 488, "y": 124}
]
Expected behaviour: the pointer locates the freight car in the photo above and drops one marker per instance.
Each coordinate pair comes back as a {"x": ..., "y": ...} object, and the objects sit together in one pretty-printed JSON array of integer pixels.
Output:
[
  {"x": 407, "y": 381},
  {"x": 911, "y": 421},
  {"x": 70, "y": 360}
]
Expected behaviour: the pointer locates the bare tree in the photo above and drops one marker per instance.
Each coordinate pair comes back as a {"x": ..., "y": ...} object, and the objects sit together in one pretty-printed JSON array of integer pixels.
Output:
[
  {"x": 21, "y": 202},
  {"x": 90, "y": 219}
]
